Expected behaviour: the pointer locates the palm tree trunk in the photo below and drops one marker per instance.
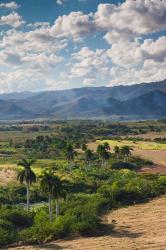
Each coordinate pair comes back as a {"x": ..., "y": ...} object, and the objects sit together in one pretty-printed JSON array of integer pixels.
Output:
[
  {"x": 27, "y": 196},
  {"x": 70, "y": 167},
  {"x": 57, "y": 208},
  {"x": 102, "y": 163},
  {"x": 50, "y": 207}
]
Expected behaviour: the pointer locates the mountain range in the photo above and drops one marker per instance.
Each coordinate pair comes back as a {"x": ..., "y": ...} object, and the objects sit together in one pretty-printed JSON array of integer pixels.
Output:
[{"x": 140, "y": 101}]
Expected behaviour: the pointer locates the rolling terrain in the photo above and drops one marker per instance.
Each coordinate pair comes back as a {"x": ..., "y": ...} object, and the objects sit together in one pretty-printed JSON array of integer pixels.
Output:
[{"x": 141, "y": 101}]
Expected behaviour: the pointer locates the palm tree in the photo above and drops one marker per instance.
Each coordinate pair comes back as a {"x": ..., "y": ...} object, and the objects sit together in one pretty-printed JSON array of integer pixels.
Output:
[
  {"x": 126, "y": 151},
  {"x": 47, "y": 186},
  {"x": 53, "y": 186},
  {"x": 70, "y": 154},
  {"x": 117, "y": 151},
  {"x": 26, "y": 175},
  {"x": 89, "y": 156},
  {"x": 103, "y": 152}
]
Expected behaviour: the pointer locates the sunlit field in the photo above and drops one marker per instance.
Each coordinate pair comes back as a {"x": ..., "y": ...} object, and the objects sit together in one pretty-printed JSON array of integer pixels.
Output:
[{"x": 137, "y": 144}]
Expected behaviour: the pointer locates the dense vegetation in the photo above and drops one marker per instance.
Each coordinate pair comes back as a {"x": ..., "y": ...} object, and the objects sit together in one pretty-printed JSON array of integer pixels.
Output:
[{"x": 62, "y": 187}]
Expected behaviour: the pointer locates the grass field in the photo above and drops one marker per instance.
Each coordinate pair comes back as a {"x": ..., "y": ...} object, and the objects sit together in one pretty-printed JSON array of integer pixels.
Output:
[{"x": 139, "y": 227}]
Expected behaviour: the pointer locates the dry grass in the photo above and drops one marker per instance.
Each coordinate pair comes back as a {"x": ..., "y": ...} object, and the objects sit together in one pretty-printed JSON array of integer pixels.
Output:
[
  {"x": 7, "y": 176},
  {"x": 139, "y": 227},
  {"x": 150, "y": 135}
]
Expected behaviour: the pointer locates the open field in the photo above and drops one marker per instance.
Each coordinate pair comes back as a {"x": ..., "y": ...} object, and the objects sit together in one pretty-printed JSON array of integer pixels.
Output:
[
  {"x": 141, "y": 227},
  {"x": 148, "y": 150},
  {"x": 142, "y": 145},
  {"x": 150, "y": 135}
]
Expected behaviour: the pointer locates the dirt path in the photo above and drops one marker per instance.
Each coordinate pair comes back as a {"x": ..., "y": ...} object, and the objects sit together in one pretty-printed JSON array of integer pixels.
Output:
[{"x": 139, "y": 227}]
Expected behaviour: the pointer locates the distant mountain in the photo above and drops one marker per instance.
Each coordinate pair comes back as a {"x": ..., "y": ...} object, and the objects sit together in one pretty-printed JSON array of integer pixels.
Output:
[
  {"x": 16, "y": 95},
  {"x": 141, "y": 101}
]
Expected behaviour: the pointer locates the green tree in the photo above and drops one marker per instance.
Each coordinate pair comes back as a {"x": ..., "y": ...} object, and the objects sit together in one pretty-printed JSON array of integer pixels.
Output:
[
  {"x": 26, "y": 175},
  {"x": 103, "y": 152},
  {"x": 89, "y": 156},
  {"x": 84, "y": 147},
  {"x": 54, "y": 188},
  {"x": 117, "y": 151},
  {"x": 126, "y": 152},
  {"x": 70, "y": 154}
]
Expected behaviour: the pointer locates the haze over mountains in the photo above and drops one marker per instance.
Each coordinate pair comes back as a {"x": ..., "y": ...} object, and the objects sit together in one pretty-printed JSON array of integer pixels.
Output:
[{"x": 141, "y": 101}]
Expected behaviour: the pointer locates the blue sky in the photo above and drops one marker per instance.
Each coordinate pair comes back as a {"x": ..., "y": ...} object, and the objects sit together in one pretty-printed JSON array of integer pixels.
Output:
[{"x": 59, "y": 44}]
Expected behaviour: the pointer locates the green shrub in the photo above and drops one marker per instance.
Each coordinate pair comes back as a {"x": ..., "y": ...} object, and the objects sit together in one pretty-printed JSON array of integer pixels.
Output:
[
  {"x": 124, "y": 165},
  {"x": 7, "y": 233},
  {"x": 17, "y": 217}
]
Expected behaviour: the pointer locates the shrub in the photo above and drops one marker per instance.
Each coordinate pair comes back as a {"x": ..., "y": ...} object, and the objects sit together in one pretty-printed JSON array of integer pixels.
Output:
[
  {"x": 7, "y": 233},
  {"x": 124, "y": 165},
  {"x": 18, "y": 218}
]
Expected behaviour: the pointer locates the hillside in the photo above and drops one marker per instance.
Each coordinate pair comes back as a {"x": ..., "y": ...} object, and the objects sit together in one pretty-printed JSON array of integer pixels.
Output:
[
  {"x": 141, "y": 101},
  {"x": 137, "y": 227}
]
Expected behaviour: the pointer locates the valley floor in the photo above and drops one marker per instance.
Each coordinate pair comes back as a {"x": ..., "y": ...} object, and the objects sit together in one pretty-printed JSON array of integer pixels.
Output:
[{"x": 137, "y": 227}]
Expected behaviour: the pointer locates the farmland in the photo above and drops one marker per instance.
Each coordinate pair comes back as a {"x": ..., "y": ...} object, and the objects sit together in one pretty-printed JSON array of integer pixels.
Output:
[{"x": 99, "y": 167}]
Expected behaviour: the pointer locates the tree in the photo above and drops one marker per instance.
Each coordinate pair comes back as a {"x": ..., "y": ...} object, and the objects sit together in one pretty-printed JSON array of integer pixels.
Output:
[
  {"x": 103, "y": 152},
  {"x": 70, "y": 154},
  {"x": 126, "y": 151},
  {"x": 47, "y": 186},
  {"x": 26, "y": 175},
  {"x": 84, "y": 147},
  {"x": 53, "y": 186},
  {"x": 89, "y": 156},
  {"x": 117, "y": 151}
]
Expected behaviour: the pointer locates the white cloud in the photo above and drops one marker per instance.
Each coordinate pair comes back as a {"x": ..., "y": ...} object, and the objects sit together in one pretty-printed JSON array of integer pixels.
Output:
[
  {"x": 41, "y": 54},
  {"x": 91, "y": 65},
  {"x": 38, "y": 25},
  {"x": 136, "y": 62},
  {"x": 10, "y": 5},
  {"x": 75, "y": 25},
  {"x": 61, "y": 2},
  {"x": 131, "y": 18},
  {"x": 13, "y": 19}
]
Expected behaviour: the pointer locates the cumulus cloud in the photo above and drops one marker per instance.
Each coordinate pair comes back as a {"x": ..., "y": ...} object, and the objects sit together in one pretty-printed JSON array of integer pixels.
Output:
[
  {"x": 13, "y": 19},
  {"x": 10, "y": 5},
  {"x": 75, "y": 25},
  {"x": 131, "y": 18},
  {"x": 54, "y": 56},
  {"x": 89, "y": 64},
  {"x": 135, "y": 62}
]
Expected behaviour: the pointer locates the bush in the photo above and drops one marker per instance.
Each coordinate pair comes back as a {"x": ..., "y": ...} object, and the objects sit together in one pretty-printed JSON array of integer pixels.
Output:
[
  {"x": 124, "y": 165},
  {"x": 7, "y": 233},
  {"x": 18, "y": 218}
]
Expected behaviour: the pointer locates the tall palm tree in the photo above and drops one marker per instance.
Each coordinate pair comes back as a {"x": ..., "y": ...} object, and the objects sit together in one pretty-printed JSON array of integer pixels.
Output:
[
  {"x": 47, "y": 186},
  {"x": 53, "y": 186},
  {"x": 126, "y": 151},
  {"x": 103, "y": 152},
  {"x": 26, "y": 175},
  {"x": 117, "y": 151},
  {"x": 70, "y": 154},
  {"x": 89, "y": 156}
]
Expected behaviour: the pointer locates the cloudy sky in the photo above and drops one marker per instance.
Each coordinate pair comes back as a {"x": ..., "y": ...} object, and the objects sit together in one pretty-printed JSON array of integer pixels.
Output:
[{"x": 60, "y": 44}]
